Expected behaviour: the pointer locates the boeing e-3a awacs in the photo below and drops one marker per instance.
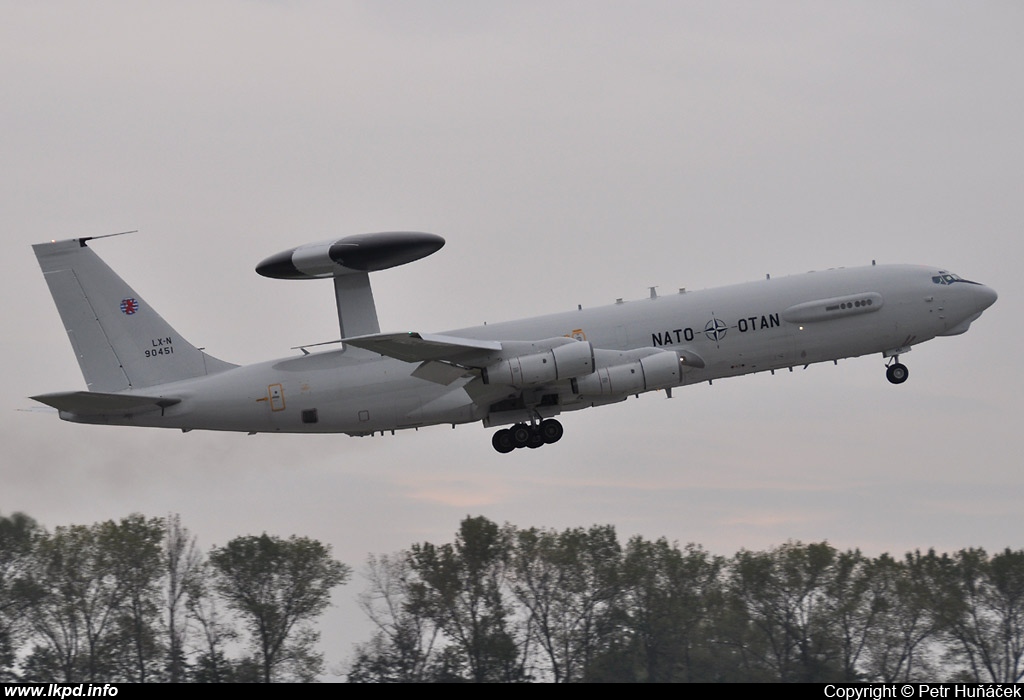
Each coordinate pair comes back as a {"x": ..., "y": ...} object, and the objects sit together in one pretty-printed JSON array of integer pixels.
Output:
[{"x": 142, "y": 372}]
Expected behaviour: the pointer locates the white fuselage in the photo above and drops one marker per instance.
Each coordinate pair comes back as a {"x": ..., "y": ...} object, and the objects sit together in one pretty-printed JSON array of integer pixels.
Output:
[{"x": 752, "y": 327}]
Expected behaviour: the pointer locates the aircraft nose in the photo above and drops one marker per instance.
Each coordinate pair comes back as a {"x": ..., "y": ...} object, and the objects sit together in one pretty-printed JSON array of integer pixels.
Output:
[{"x": 986, "y": 296}]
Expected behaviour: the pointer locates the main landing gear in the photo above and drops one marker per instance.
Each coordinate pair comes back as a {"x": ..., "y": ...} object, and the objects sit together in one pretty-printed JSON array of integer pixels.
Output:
[
  {"x": 523, "y": 435},
  {"x": 896, "y": 372}
]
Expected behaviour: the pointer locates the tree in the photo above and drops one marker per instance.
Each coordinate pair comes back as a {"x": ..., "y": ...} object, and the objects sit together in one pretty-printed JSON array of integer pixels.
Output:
[
  {"x": 211, "y": 663},
  {"x": 898, "y": 648},
  {"x": 506, "y": 605},
  {"x": 403, "y": 648},
  {"x": 130, "y": 551},
  {"x": 277, "y": 586},
  {"x": 663, "y": 615},
  {"x": 790, "y": 634},
  {"x": 16, "y": 533},
  {"x": 567, "y": 581},
  {"x": 92, "y": 601},
  {"x": 461, "y": 588},
  {"x": 182, "y": 563},
  {"x": 986, "y": 616},
  {"x": 1003, "y": 600},
  {"x": 852, "y": 609}
]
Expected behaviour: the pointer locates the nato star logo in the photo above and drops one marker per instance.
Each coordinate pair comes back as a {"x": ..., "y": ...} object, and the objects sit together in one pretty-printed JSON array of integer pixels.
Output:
[{"x": 715, "y": 330}]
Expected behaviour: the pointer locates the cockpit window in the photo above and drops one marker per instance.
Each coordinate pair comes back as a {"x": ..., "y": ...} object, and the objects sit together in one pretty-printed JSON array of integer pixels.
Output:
[{"x": 946, "y": 278}]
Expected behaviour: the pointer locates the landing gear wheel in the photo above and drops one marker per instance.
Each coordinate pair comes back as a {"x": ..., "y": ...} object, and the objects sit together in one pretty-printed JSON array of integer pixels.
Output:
[
  {"x": 502, "y": 441},
  {"x": 520, "y": 434},
  {"x": 526, "y": 435},
  {"x": 897, "y": 373},
  {"x": 536, "y": 439},
  {"x": 551, "y": 430}
]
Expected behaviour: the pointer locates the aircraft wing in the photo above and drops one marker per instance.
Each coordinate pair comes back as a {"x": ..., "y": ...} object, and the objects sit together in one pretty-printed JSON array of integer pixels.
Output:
[
  {"x": 425, "y": 347},
  {"x": 445, "y": 358},
  {"x": 86, "y": 403}
]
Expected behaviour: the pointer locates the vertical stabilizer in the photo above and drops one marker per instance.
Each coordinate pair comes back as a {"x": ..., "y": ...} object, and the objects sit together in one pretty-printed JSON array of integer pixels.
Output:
[{"x": 120, "y": 342}]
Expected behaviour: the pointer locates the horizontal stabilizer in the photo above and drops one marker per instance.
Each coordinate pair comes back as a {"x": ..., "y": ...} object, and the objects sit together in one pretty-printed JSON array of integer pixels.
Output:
[
  {"x": 424, "y": 347},
  {"x": 86, "y": 403}
]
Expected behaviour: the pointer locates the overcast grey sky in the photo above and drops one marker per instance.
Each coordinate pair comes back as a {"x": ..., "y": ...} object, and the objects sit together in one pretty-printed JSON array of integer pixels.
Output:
[{"x": 570, "y": 153}]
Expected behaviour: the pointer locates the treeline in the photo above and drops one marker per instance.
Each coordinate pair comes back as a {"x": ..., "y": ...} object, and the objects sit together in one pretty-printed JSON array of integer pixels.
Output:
[
  {"x": 503, "y": 604},
  {"x": 135, "y": 601}
]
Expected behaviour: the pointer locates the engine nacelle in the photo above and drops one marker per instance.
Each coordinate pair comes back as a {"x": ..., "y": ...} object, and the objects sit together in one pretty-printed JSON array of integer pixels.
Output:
[
  {"x": 660, "y": 370},
  {"x": 365, "y": 252},
  {"x": 572, "y": 359}
]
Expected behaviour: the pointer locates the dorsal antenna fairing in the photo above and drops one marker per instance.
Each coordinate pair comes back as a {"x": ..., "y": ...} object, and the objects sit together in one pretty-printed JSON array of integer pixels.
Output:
[{"x": 349, "y": 261}]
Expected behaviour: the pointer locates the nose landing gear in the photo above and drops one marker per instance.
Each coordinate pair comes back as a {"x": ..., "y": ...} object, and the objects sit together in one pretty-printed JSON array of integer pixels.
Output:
[
  {"x": 897, "y": 373},
  {"x": 524, "y": 435}
]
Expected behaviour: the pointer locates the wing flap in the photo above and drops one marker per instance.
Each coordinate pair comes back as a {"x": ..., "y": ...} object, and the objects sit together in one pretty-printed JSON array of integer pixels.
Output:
[
  {"x": 85, "y": 403},
  {"x": 440, "y": 372}
]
